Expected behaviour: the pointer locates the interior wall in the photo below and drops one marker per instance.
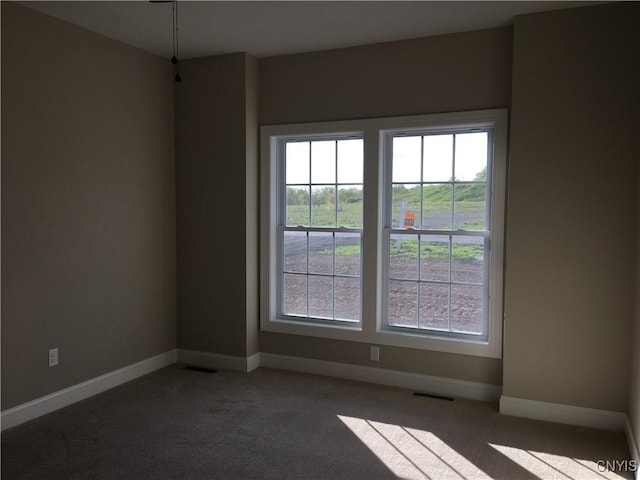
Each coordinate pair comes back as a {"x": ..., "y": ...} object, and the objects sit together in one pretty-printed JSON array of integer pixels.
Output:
[
  {"x": 88, "y": 205},
  {"x": 634, "y": 397},
  {"x": 252, "y": 216},
  {"x": 447, "y": 73},
  {"x": 572, "y": 207},
  {"x": 214, "y": 169}
]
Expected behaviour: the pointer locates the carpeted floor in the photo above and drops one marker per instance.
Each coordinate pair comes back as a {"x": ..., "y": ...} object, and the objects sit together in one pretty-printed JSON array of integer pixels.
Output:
[{"x": 271, "y": 424}]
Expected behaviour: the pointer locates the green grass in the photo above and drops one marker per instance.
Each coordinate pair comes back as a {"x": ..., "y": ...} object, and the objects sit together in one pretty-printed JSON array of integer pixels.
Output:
[
  {"x": 344, "y": 250},
  {"x": 325, "y": 215},
  {"x": 409, "y": 248}
]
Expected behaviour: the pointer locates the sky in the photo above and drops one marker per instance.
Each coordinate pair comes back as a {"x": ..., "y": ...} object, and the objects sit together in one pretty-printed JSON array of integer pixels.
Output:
[{"x": 318, "y": 159}]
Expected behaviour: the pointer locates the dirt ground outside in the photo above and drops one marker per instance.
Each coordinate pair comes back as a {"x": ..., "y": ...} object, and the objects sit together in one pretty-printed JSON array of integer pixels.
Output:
[{"x": 428, "y": 304}]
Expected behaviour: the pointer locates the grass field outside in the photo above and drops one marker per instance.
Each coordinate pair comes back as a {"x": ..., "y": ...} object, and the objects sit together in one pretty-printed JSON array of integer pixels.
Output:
[{"x": 435, "y": 281}]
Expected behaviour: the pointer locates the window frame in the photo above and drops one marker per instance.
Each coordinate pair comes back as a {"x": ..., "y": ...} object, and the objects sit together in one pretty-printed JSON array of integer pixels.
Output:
[
  {"x": 388, "y": 229},
  {"x": 282, "y": 227},
  {"x": 371, "y": 328}
]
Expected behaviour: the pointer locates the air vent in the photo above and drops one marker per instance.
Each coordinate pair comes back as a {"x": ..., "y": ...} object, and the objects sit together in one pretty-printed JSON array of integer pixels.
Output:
[
  {"x": 199, "y": 369},
  {"x": 431, "y": 395}
]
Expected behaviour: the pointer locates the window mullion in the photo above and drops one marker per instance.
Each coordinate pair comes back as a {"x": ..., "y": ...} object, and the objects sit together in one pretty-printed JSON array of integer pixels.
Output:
[
  {"x": 369, "y": 241},
  {"x": 333, "y": 279},
  {"x": 450, "y": 290},
  {"x": 453, "y": 183},
  {"x": 310, "y": 191},
  {"x": 307, "y": 274},
  {"x": 335, "y": 201}
]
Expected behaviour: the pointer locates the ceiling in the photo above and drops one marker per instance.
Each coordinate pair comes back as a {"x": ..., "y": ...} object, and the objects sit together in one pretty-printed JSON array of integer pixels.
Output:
[{"x": 267, "y": 28}]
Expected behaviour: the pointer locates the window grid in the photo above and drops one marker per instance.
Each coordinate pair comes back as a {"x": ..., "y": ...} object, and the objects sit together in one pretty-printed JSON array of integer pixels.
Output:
[
  {"x": 313, "y": 225},
  {"x": 419, "y": 231}
]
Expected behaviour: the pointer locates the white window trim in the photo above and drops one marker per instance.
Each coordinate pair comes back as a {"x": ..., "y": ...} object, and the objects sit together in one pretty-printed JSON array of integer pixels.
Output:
[{"x": 370, "y": 329}]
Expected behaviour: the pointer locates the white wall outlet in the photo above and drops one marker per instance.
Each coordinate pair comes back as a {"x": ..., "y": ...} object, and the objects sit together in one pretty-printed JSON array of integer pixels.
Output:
[
  {"x": 53, "y": 357},
  {"x": 374, "y": 353}
]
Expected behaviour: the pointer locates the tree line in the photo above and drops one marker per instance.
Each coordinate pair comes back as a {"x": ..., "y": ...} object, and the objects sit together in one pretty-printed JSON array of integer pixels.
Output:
[{"x": 323, "y": 196}]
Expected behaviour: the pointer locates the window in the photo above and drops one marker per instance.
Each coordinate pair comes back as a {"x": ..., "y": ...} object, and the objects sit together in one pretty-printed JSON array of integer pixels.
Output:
[
  {"x": 437, "y": 231},
  {"x": 320, "y": 228},
  {"x": 386, "y": 231}
]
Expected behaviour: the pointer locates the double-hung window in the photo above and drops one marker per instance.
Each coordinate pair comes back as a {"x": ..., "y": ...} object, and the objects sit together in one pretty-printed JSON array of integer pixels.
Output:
[
  {"x": 320, "y": 228},
  {"x": 386, "y": 231}
]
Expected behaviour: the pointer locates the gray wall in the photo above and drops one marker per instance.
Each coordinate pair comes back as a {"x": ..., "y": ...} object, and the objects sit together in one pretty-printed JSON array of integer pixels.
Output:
[
  {"x": 446, "y": 73},
  {"x": 456, "y": 72},
  {"x": 634, "y": 397},
  {"x": 88, "y": 202},
  {"x": 88, "y": 205},
  {"x": 573, "y": 207},
  {"x": 216, "y": 159}
]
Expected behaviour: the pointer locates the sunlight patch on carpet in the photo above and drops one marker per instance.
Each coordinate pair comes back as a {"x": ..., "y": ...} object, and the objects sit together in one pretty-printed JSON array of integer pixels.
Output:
[
  {"x": 412, "y": 454},
  {"x": 547, "y": 465}
]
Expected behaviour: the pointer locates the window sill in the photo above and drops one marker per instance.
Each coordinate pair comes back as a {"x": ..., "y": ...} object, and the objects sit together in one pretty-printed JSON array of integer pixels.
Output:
[{"x": 355, "y": 333}]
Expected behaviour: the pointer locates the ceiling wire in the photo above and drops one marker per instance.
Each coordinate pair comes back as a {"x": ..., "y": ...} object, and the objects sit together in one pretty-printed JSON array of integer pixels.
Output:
[
  {"x": 176, "y": 52},
  {"x": 174, "y": 30}
]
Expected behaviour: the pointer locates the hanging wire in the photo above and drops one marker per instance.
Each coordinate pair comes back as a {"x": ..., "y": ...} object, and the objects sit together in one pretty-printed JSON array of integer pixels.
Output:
[
  {"x": 174, "y": 59},
  {"x": 176, "y": 53},
  {"x": 174, "y": 32}
]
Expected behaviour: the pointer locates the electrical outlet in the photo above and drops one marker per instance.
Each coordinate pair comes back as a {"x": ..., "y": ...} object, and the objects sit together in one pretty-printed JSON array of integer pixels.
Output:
[
  {"x": 53, "y": 357},
  {"x": 374, "y": 353}
]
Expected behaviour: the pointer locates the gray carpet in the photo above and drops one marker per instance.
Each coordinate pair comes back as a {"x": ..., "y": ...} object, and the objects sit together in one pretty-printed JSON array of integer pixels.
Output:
[{"x": 270, "y": 424}]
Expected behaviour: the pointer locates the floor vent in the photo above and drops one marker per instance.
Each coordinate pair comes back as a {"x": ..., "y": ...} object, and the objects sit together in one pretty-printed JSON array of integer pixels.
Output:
[
  {"x": 199, "y": 369},
  {"x": 430, "y": 395}
]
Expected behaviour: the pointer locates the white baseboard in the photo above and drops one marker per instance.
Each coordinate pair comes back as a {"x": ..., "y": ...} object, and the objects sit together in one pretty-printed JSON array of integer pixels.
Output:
[
  {"x": 553, "y": 412},
  {"x": 559, "y": 413},
  {"x": 62, "y": 398},
  {"x": 633, "y": 446},
  {"x": 218, "y": 361},
  {"x": 253, "y": 362},
  {"x": 394, "y": 378}
]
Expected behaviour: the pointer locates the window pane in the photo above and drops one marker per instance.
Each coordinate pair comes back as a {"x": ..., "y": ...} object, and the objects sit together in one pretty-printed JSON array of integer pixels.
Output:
[
  {"x": 297, "y": 167},
  {"x": 294, "y": 294},
  {"x": 438, "y": 158},
  {"x": 320, "y": 297},
  {"x": 434, "y": 258},
  {"x": 320, "y": 252},
  {"x": 323, "y": 210},
  {"x": 350, "y": 206},
  {"x": 347, "y": 298},
  {"x": 295, "y": 252},
  {"x": 403, "y": 303},
  {"x": 350, "y": 161},
  {"x": 437, "y": 207},
  {"x": 405, "y": 209},
  {"x": 434, "y": 306},
  {"x": 467, "y": 263},
  {"x": 347, "y": 259},
  {"x": 471, "y": 156},
  {"x": 323, "y": 162},
  {"x": 466, "y": 308},
  {"x": 403, "y": 257},
  {"x": 406, "y": 159},
  {"x": 297, "y": 206},
  {"x": 470, "y": 210}
]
